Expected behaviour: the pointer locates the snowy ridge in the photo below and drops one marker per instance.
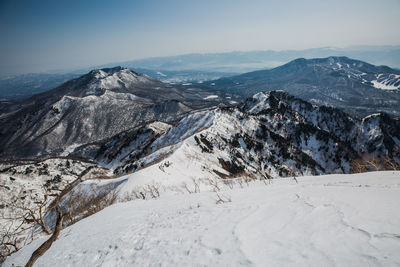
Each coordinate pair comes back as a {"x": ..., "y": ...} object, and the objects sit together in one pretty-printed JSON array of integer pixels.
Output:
[{"x": 269, "y": 135}]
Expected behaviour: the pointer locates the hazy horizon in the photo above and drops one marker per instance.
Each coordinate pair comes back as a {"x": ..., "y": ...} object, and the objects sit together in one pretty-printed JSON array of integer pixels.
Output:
[{"x": 39, "y": 36}]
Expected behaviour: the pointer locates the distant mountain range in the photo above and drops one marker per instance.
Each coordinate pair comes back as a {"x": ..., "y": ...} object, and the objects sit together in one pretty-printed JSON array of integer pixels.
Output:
[
  {"x": 246, "y": 61},
  {"x": 355, "y": 86},
  {"x": 197, "y": 67}
]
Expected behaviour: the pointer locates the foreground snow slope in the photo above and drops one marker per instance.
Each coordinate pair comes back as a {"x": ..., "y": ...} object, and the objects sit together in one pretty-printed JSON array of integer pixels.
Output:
[{"x": 333, "y": 220}]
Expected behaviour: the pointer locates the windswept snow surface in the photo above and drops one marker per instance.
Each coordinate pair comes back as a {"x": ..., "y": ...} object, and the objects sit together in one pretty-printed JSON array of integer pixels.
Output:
[{"x": 332, "y": 220}]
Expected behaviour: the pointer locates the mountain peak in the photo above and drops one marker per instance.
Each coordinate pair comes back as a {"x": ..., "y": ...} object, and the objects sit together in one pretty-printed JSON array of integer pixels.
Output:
[
  {"x": 105, "y": 72},
  {"x": 116, "y": 78},
  {"x": 101, "y": 73},
  {"x": 269, "y": 100}
]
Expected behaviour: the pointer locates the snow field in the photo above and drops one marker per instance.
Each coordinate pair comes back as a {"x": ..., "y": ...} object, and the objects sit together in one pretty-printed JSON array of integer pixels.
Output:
[{"x": 332, "y": 220}]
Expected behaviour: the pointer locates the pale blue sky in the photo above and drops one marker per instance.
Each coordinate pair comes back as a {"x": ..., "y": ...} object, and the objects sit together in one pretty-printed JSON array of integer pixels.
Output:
[{"x": 43, "y": 35}]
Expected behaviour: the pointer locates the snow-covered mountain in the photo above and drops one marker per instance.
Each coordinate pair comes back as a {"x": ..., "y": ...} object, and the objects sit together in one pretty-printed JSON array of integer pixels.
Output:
[
  {"x": 357, "y": 87},
  {"x": 19, "y": 87},
  {"x": 270, "y": 134},
  {"x": 95, "y": 106}
]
